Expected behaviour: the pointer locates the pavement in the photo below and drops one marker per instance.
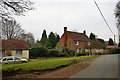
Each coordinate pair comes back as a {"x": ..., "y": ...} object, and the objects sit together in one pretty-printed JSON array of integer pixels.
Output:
[{"x": 106, "y": 66}]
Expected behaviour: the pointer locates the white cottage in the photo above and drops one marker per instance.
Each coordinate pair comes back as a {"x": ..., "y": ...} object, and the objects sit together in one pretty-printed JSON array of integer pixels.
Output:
[{"x": 18, "y": 48}]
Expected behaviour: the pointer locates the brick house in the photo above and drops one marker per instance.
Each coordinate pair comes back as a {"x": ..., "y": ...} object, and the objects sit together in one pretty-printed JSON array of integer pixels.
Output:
[
  {"x": 18, "y": 48},
  {"x": 74, "y": 41}
]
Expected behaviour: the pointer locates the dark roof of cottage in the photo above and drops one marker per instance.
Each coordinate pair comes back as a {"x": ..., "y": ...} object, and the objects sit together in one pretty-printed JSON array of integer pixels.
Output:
[
  {"x": 78, "y": 36},
  {"x": 96, "y": 45},
  {"x": 13, "y": 44}
]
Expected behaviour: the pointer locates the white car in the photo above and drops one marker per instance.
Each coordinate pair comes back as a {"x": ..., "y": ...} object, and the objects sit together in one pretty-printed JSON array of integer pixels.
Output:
[{"x": 12, "y": 60}]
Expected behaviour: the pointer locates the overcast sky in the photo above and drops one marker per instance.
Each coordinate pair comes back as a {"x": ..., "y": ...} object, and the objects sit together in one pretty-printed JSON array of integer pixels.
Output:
[{"x": 76, "y": 15}]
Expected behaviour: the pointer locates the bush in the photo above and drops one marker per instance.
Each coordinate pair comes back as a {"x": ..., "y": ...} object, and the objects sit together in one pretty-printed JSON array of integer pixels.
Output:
[
  {"x": 62, "y": 55},
  {"x": 116, "y": 51},
  {"x": 72, "y": 52},
  {"x": 67, "y": 53},
  {"x": 54, "y": 53},
  {"x": 39, "y": 52},
  {"x": 81, "y": 54}
]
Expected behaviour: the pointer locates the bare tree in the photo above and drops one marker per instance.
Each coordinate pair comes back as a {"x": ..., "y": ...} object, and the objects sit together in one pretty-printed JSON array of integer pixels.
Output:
[
  {"x": 117, "y": 14},
  {"x": 8, "y": 8},
  {"x": 11, "y": 30},
  {"x": 29, "y": 38},
  {"x": 14, "y": 7}
]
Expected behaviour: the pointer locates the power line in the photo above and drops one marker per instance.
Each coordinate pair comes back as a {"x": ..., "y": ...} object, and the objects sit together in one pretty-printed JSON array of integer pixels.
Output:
[{"x": 103, "y": 17}]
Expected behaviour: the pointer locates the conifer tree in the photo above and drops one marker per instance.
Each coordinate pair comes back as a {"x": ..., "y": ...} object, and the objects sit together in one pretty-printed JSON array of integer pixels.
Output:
[
  {"x": 92, "y": 36},
  {"x": 52, "y": 40},
  {"x": 110, "y": 42},
  {"x": 44, "y": 39}
]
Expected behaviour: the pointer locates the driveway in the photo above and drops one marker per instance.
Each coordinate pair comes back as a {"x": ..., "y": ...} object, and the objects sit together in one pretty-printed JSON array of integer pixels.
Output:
[{"x": 105, "y": 66}]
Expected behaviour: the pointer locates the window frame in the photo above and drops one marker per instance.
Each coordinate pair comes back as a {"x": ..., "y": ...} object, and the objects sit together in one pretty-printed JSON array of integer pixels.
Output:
[
  {"x": 18, "y": 52},
  {"x": 88, "y": 43},
  {"x": 77, "y": 50},
  {"x": 76, "y": 42}
]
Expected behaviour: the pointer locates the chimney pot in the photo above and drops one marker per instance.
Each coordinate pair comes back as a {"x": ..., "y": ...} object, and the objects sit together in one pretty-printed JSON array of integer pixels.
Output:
[
  {"x": 65, "y": 29},
  {"x": 84, "y": 31}
]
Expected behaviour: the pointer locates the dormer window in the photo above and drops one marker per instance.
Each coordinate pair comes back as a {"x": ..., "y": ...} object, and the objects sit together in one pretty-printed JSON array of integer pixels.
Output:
[{"x": 76, "y": 42}]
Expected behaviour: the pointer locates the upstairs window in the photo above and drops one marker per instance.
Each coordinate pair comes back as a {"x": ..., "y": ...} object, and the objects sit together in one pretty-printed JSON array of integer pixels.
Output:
[
  {"x": 88, "y": 43},
  {"x": 76, "y": 42}
]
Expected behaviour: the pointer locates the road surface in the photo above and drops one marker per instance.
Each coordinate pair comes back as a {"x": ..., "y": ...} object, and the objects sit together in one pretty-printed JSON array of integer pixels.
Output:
[{"x": 106, "y": 66}]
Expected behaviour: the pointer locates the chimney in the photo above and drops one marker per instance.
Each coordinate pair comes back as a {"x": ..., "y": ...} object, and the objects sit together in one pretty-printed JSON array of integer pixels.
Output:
[
  {"x": 84, "y": 31},
  {"x": 65, "y": 36},
  {"x": 65, "y": 29}
]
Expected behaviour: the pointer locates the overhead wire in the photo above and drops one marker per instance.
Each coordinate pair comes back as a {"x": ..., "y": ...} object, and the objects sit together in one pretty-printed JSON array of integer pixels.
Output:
[{"x": 104, "y": 17}]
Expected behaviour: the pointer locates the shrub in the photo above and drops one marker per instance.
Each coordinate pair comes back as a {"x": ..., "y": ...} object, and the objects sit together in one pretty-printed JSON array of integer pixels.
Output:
[
  {"x": 116, "y": 51},
  {"x": 67, "y": 52},
  {"x": 62, "y": 55},
  {"x": 8, "y": 52},
  {"x": 72, "y": 52},
  {"x": 81, "y": 54},
  {"x": 39, "y": 52},
  {"x": 53, "y": 53}
]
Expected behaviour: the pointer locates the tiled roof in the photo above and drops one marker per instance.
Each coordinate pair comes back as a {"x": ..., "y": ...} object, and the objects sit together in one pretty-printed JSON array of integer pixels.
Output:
[
  {"x": 96, "y": 45},
  {"x": 78, "y": 36},
  {"x": 14, "y": 44},
  {"x": 112, "y": 46}
]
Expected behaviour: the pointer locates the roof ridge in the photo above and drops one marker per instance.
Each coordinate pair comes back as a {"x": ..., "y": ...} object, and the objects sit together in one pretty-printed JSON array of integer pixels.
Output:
[
  {"x": 78, "y": 36},
  {"x": 75, "y": 32},
  {"x": 14, "y": 44}
]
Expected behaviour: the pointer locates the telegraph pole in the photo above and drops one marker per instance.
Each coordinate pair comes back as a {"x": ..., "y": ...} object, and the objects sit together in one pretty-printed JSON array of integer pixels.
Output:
[{"x": 114, "y": 40}]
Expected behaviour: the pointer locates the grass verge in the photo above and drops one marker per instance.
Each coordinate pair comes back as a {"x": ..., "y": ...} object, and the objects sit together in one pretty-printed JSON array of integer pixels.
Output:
[{"x": 43, "y": 65}]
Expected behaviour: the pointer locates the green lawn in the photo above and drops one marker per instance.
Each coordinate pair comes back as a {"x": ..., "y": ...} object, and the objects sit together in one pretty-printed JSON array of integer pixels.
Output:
[{"x": 43, "y": 65}]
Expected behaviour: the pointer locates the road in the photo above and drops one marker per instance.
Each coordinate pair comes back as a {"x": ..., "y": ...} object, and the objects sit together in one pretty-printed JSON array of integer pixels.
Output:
[{"x": 106, "y": 66}]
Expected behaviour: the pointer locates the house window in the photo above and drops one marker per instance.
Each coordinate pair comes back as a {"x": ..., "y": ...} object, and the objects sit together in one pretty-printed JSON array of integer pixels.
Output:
[
  {"x": 76, "y": 42},
  {"x": 18, "y": 52},
  {"x": 87, "y": 50},
  {"x": 77, "y": 50},
  {"x": 2, "y": 53},
  {"x": 88, "y": 43}
]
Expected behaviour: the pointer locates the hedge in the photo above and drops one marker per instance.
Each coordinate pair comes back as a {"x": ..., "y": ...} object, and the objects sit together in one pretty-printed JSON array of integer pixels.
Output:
[
  {"x": 54, "y": 53},
  {"x": 116, "y": 51},
  {"x": 39, "y": 52},
  {"x": 81, "y": 54},
  {"x": 43, "y": 52}
]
